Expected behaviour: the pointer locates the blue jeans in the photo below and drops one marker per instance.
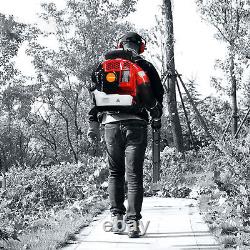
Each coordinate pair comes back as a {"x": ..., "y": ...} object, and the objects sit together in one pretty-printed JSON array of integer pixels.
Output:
[{"x": 126, "y": 143}]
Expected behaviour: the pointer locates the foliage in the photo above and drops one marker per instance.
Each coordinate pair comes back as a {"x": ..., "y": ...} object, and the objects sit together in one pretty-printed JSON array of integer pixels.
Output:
[
  {"x": 156, "y": 38},
  {"x": 15, "y": 100},
  {"x": 34, "y": 196},
  {"x": 12, "y": 34},
  {"x": 214, "y": 111},
  {"x": 174, "y": 167},
  {"x": 231, "y": 21},
  {"x": 44, "y": 124},
  {"x": 43, "y": 118},
  {"x": 229, "y": 17},
  {"x": 83, "y": 32},
  {"x": 225, "y": 198},
  {"x": 217, "y": 176}
]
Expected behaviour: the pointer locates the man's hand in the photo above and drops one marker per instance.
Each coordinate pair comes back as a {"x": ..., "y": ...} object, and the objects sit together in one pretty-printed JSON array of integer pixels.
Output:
[
  {"x": 156, "y": 111},
  {"x": 93, "y": 132},
  {"x": 156, "y": 123}
]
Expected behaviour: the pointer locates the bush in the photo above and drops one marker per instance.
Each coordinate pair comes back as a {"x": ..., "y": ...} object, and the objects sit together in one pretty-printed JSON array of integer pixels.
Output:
[{"x": 33, "y": 195}]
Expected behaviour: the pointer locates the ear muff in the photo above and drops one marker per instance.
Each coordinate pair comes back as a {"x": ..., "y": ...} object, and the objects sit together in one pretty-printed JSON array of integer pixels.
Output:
[
  {"x": 142, "y": 48},
  {"x": 119, "y": 45}
]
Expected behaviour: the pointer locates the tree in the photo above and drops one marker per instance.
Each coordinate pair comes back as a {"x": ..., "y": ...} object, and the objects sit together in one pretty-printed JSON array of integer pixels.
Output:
[
  {"x": 230, "y": 18},
  {"x": 12, "y": 34},
  {"x": 171, "y": 93},
  {"x": 84, "y": 30}
]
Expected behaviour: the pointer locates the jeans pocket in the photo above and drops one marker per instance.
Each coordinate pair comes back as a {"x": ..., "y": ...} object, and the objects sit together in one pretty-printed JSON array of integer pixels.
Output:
[
  {"x": 110, "y": 134},
  {"x": 135, "y": 135}
]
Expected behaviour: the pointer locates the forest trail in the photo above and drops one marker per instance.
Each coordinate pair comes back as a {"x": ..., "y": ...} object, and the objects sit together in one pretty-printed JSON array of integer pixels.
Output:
[{"x": 174, "y": 224}]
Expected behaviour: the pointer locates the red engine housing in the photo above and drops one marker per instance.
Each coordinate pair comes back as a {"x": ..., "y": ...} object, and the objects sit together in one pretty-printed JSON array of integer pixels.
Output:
[{"x": 129, "y": 75}]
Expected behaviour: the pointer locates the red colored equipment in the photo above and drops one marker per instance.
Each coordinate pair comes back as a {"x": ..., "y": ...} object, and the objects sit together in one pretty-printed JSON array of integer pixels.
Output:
[{"x": 122, "y": 77}]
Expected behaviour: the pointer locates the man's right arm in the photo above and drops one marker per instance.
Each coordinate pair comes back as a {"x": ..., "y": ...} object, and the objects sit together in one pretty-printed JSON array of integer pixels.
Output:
[
  {"x": 94, "y": 125},
  {"x": 92, "y": 115}
]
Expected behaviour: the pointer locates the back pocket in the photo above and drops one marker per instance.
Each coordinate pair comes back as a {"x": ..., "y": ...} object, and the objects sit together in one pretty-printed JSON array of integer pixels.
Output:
[{"x": 135, "y": 136}]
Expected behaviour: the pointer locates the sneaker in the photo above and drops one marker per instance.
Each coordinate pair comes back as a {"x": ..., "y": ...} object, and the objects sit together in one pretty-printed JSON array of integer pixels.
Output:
[
  {"x": 117, "y": 222},
  {"x": 133, "y": 229}
]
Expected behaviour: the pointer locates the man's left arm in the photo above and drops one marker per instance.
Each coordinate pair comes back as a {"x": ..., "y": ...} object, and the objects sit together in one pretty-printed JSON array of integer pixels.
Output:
[{"x": 155, "y": 80}]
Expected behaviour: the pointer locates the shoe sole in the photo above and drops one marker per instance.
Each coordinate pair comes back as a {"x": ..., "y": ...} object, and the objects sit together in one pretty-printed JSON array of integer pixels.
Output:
[{"x": 134, "y": 235}]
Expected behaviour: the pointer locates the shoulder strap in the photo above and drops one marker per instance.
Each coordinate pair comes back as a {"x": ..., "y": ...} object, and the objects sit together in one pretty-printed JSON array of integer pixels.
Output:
[{"x": 119, "y": 53}]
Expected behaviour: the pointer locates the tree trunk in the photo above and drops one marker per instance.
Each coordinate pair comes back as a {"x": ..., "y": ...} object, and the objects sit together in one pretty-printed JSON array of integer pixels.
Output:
[
  {"x": 171, "y": 94},
  {"x": 71, "y": 147},
  {"x": 70, "y": 142},
  {"x": 4, "y": 177},
  {"x": 233, "y": 94},
  {"x": 3, "y": 174}
]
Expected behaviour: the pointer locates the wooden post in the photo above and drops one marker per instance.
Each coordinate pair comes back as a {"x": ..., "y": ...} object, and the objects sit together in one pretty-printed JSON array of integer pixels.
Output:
[
  {"x": 201, "y": 119},
  {"x": 244, "y": 119},
  {"x": 185, "y": 113}
]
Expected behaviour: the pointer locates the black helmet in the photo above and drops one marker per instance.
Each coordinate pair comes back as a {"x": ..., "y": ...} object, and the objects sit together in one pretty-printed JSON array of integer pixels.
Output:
[{"x": 134, "y": 38}]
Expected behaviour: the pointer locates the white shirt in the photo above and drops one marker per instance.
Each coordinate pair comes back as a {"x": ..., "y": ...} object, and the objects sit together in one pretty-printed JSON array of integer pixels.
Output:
[{"x": 108, "y": 118}]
